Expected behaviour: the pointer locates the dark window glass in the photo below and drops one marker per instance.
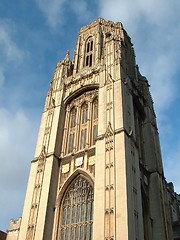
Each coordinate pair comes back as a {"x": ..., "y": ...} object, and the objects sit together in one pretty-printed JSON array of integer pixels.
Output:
[
  {"x": 85, "y": 131},
  {"x": 90, "y": 60},
  {"x": 88, "y": 47},
  {"x": 94, "y": 134},
  {"x": 89, "y": 53},
  {"x": 91, "y": 45},
  {"x": 87, "y": 60}
]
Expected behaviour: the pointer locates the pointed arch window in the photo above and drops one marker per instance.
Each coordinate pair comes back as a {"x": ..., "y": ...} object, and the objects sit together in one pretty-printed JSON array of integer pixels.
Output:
[
  {"x": 72, "y": 129},
  {"x": 89, "y": 53},
  {"x": 83, "y": 126},
  {"x": 94, "y": 128},
  {"x": 82, "y": 123},
  {"x": 77, "y": 211}
]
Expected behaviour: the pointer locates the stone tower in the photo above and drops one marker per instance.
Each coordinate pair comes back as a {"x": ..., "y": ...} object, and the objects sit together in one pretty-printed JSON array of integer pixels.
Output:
[{"x": 97, "y": 171}]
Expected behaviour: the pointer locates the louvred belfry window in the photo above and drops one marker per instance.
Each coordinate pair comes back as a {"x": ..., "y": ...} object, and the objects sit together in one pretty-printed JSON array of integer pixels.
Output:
[
  {"x": 77, "y": 211},
  {"x": 89, "y": 53},
  {"x": 72, "y": 126}
]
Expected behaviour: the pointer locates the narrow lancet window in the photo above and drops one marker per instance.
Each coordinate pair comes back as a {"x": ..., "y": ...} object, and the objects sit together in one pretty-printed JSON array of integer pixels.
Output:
[
  {"x": 83, "y": 127},
  {"x": 94, "y": 122},
  {"x": 72, "y": 126},
  {"x": 89, "y": 53}
]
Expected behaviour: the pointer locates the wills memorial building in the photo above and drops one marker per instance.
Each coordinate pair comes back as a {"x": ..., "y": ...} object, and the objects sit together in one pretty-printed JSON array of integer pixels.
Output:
[{"x": 97, "y": 171}]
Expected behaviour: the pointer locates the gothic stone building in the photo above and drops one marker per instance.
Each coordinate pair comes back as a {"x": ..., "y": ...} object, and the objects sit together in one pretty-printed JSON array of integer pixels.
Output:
[
  {"x": 97, "y": 171},
  {"x": 174, "y": 201}
]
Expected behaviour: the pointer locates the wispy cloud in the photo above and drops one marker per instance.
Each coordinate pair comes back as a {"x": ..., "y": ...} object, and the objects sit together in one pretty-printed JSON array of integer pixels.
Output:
[
  {"x": 53, "y": 11},
  {"x": 80, "y": 9},
  {"x": 8, "y": 48}
]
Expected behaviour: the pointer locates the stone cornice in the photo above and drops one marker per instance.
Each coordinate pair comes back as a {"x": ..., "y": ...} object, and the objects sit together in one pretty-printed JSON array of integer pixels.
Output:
[{"x": 47, "y": 156}]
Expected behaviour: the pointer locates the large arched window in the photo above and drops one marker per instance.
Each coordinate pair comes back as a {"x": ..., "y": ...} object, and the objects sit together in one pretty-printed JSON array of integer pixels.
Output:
[
  {"x": 76, "y": 222},
  {"x": 83, "y": 126},
  {"x": 80, "y": 130},
  {"x": 89, "y": 52},
  {"x": 71, "y": 135},
  {"x": 94, "y": 128}
]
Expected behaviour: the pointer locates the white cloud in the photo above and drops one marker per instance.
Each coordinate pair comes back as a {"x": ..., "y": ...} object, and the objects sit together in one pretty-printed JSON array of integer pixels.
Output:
[
  {"x": 17, "y": 136},
  {"x": 160, "y": 70},
  {"x": 53, "y": 10},
  {"x": 155, "y": 26},
  {"x": 8, "y": 47},
  {"x": 131, "y": 12},
  {"x": 80, "y": 9},
  {"x": 10, "y": 53}
]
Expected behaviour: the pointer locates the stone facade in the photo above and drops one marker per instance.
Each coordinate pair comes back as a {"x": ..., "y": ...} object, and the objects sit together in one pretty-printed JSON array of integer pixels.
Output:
[
  {"x": 174, "y": 201},
  {"x": 97, "y": 171}
]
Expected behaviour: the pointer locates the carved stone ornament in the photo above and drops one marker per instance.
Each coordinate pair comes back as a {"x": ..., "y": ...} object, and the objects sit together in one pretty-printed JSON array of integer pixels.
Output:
[
  {"x": 109, "y": 79},
  {"x": 109, "y": 130},
  {"x": 65, "y": 168},
  {"x": 78, "y": 161},
  {"x": 86, "y": 97},
  {"x": 91, "y": 161},
  {"x": 43, "y": 153},
  {"x": 51, "y": 103}
]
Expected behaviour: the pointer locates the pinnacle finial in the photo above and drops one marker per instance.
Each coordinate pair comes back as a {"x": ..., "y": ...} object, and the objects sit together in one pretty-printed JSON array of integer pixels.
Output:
[{"x": 67, "y": 56}]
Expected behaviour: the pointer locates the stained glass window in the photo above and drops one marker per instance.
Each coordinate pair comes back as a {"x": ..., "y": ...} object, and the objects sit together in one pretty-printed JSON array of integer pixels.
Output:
[{"x": 77, "y": 211}]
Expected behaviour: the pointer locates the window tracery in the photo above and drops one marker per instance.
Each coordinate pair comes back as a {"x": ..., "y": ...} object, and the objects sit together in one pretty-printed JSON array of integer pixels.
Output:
[
  {"x": 77, "y": 211},
  {"x": 82, "y": 127}
]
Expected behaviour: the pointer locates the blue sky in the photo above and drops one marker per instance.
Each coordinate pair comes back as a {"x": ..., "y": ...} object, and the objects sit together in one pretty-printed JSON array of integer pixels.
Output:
[{"x": 35, "y": 35}]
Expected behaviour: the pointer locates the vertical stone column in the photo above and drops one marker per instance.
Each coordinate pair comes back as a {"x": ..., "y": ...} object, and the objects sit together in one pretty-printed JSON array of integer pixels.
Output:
[
  {"x": 82, "y": 54},
  {"x": 77, "y": 57},
  {"x": 109, "y": 185}
]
